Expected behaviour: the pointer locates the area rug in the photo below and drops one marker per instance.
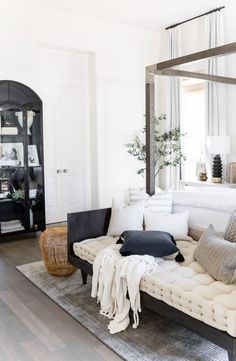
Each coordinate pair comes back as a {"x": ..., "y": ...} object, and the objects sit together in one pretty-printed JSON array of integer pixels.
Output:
[{"x": 156, "y": 338}]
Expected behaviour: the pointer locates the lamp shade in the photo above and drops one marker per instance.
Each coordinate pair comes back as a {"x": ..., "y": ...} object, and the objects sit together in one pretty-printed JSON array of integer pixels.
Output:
[{"x": 218, "y": 144}]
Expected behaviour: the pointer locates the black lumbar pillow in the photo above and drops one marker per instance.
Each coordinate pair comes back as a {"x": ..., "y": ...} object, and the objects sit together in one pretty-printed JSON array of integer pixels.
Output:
[{"x": 153, "y": 243}]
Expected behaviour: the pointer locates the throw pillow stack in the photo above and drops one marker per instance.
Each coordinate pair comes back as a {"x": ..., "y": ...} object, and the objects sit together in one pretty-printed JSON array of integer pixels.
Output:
[
  {"x": 216, "y": 253},
  {"x": 162, "y": 226},
  {"x": 158, "y": 213}
]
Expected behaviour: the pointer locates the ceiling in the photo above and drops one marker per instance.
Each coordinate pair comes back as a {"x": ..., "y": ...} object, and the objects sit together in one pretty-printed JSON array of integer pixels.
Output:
[{"x": 149, "y": 14}]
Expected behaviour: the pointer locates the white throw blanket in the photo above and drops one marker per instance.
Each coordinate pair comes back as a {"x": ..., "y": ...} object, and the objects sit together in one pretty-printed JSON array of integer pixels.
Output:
[{"x": 113, "y": 277}]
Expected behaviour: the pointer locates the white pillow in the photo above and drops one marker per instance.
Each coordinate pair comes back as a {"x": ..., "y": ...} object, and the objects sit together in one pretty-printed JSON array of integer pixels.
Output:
[
  {"x": 160, "y": 202},
  {"x": 175, "y": 224},
  {"x": 125, "y": 218}
]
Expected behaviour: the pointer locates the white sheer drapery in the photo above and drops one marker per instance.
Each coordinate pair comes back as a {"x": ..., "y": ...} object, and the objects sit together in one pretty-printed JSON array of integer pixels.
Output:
[
  {"x": 173, "y": 42},
  {"x": 215, "y": 92}
]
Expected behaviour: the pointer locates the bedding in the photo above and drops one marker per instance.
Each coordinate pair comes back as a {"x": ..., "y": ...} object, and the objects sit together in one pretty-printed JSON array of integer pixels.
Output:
[
  {"x": 206, "y": 206},
  {"x": 200, "y": 218},
  {"x": 160, "y": 202},
  {"x": 186, "y": 286},
  {"x": 223, "y": 199}
]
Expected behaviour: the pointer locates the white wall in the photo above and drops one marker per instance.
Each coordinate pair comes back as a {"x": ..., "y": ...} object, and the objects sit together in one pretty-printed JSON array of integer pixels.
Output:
[{"x": 121, "y": 54}]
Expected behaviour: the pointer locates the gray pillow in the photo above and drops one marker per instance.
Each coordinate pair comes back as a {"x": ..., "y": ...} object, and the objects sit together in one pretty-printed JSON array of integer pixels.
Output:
[
  {"x": 217, "y": 256},
  {"x": 230, "y": 231}
]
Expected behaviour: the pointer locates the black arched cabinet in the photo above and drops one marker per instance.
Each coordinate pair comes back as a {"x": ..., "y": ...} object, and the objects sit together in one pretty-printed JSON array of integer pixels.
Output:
[{"x": 22, "y": 201}]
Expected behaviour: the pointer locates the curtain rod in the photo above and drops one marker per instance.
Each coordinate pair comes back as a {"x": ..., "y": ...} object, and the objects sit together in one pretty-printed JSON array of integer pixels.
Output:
[{"x": 195, "y": 17}]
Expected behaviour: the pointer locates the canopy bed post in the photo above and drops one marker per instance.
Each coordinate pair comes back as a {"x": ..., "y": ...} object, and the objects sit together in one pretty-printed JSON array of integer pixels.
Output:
[{"x": 150, "y": 131}]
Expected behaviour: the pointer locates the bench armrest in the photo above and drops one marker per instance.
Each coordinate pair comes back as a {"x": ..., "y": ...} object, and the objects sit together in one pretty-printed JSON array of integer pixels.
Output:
[{"x": 88, "y": 224}]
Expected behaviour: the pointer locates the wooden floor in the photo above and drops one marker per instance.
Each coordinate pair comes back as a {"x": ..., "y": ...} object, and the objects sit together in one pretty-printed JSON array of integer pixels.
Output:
[{"x": 32, "y": 327}]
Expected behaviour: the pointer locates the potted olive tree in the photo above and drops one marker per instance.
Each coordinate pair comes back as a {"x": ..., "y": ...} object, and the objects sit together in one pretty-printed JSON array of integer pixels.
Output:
[{"x": 168, "y": 151}]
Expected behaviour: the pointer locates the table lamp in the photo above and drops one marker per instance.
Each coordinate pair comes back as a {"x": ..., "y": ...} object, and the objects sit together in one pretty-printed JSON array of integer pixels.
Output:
[{"x": 218, "y": 145}]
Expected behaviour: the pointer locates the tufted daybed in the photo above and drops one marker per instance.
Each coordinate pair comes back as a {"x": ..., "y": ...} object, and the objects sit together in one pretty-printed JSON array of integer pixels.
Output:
[{"x": 183, "y": 293}]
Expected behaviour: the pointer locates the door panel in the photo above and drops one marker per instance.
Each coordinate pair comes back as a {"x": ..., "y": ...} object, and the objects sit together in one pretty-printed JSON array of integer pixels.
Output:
[
  {"x": 53, "y": 181},
  {"x": 64, "y": 88},
  {"x": 73, "y": 117}
]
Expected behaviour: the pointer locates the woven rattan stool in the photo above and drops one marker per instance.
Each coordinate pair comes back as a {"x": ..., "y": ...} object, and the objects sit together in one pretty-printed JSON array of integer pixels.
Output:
[{"x": 53, "y": 244}]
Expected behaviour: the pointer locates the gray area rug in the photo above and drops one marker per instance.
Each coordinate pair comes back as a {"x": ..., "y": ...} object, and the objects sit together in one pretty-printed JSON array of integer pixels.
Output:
[{"x": 156, "y": 338}]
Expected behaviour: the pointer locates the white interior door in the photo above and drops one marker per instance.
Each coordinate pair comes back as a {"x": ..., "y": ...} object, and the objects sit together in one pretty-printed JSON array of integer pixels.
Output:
[
  {"x": 64, "y": 89},
  {"x": 72, "y": 147},
  {"x": 52, "y": 132}
]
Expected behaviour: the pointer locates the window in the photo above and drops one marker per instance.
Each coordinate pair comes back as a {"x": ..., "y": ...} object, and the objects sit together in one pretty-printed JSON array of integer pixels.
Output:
[{"x": 193, "y": 124}]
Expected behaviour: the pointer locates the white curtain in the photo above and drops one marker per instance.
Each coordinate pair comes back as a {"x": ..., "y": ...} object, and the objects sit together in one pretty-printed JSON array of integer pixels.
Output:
[
  {"x": 173, "y": 43},
  {"x": 215, "y": 92}
]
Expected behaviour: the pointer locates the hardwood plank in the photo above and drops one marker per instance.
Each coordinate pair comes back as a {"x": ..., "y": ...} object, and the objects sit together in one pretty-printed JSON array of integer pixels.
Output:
[
  {"x": 68, "y": 354},
  {"x": 37, "y": 327},
  {"x": 12, "y": 351},
  {"x": 11, "y": 324},
  {"x": 12, "y": 333},
  {"x": 82, "y": 351},
  {"x": 107, "y": 353},
  {"x": 56, "y": 320},
  {"x": 3, "y": 355},
  {"x": 39, "y": 352}
]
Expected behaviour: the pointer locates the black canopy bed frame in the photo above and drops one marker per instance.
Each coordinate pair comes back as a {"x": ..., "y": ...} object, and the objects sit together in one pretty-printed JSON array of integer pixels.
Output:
[{"x": 91, "y": 224}]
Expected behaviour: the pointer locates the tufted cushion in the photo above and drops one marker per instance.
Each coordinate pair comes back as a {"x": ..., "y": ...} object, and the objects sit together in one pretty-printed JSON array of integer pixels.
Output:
[
  {"x": 230, "y": 231},
  {"x": 89, "y": 248},
  {"x": 186, "y": 286},
  {"x": 217, "y": 256}
]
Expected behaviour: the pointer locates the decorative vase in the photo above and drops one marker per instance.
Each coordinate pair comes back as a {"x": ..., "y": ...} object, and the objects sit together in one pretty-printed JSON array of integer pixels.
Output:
[
  {"x": 20, "y": 118},
  {"x": 201, "y": 171},
  {"x": 203, "y": 177},
  {"x": 217, "y": 169},
  {"x": 30, "y": 119}
]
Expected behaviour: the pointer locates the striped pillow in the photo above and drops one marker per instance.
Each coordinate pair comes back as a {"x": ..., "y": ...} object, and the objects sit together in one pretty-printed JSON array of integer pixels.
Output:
[
  {"x": 125, "y": 217},
  {"x": 161, "y": 202},
  {"x": 217, "y": 256},
  {"x": 230, "y": 231}
]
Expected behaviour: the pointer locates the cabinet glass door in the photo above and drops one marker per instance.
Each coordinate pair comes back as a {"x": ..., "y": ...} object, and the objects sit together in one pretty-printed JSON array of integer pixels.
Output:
[
  {"x": 35, "y": 167},
  {"x": 12, "y": 170},
  {"x": 22, "y": 205}
]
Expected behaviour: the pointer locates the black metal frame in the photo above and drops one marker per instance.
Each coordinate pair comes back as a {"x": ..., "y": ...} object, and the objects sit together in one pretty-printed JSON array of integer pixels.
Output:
[
  {"x": 84, "y": 225},
  {"x": 20, "y": 95},
  {"x": 167, "y": 68}
]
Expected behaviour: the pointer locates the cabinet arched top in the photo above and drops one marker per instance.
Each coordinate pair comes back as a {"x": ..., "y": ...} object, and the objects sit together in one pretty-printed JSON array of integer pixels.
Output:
[{"x": 14, "y": 92}]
